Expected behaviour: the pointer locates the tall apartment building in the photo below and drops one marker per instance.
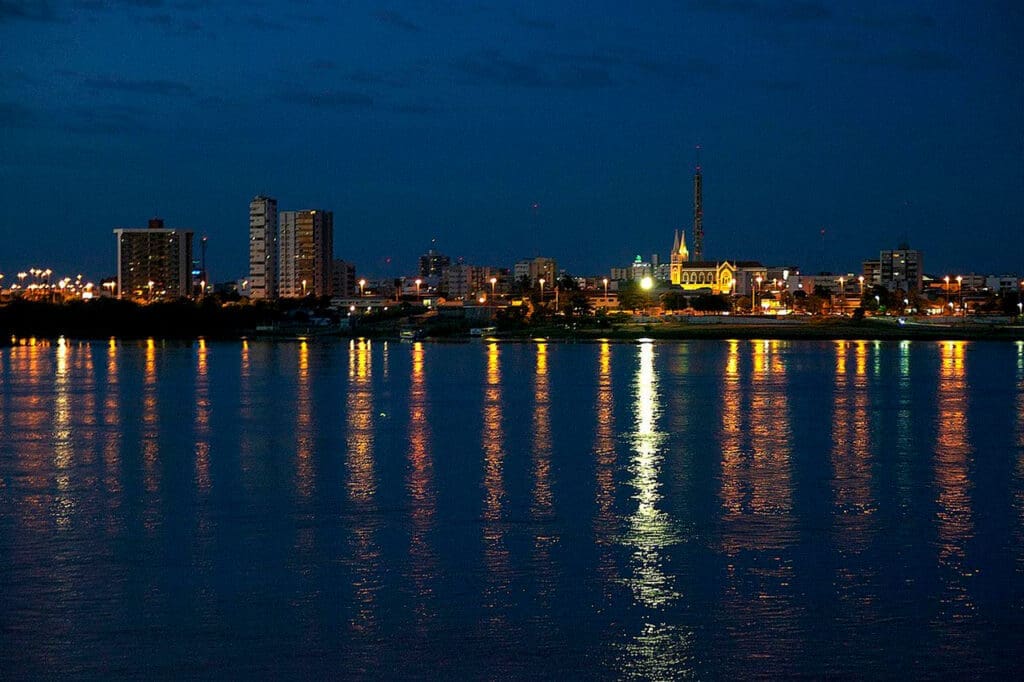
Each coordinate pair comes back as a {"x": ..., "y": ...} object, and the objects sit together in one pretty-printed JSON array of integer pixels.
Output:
[
  {"x": 305, "y": 250},
  {"x": 901, "y": 268},
  {"x": 154, "y": 262},
  {"x": 432, "y": 263},
  {"x": 263, "y": 227}
]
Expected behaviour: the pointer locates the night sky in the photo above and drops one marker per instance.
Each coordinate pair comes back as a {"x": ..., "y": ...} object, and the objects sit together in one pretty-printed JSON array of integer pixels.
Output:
[{"x": 508, "y": 130}]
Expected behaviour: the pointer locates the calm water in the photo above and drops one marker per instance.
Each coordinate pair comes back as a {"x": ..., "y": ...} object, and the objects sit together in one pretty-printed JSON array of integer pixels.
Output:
[{"x": 708, "y": 509}]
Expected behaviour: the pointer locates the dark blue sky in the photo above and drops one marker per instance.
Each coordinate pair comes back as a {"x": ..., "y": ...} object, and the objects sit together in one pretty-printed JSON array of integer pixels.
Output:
[{"x": 412, "y": 120}]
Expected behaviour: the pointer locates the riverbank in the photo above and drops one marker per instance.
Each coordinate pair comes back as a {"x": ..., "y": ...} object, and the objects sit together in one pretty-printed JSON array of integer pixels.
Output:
[{"x": 184, "y": 321}]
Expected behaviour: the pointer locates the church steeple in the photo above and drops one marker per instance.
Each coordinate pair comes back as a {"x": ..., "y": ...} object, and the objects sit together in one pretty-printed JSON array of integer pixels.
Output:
[{"x": 680, "y": 254}]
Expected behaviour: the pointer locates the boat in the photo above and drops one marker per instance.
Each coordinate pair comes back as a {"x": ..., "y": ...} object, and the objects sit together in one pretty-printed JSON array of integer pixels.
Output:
[{"x": 411, "y": 333}]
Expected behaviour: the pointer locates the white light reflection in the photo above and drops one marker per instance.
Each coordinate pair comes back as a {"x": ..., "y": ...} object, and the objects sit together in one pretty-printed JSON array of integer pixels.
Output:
[{"x": 661, "y": 650}]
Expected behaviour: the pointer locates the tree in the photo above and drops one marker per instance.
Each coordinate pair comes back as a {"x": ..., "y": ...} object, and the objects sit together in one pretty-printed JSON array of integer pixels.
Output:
[
  {"x": 631, "y": 296},
  {"x": 709, "y": 303},
  {"x": 674, "y": 300}
]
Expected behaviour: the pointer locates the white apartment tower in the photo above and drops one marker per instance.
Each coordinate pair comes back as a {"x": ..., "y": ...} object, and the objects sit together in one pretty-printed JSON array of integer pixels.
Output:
[{"x": 263, "y": 258}]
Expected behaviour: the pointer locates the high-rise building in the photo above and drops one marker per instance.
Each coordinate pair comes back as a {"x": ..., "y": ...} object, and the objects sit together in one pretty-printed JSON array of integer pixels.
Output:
[
  {"x": 263, "y": 228},
  {"x": 901, "y": 268},
  {"x": 305, "y": 253},
  {"x": 432, "y": 263},
  {"x": 154, "y": 262}
]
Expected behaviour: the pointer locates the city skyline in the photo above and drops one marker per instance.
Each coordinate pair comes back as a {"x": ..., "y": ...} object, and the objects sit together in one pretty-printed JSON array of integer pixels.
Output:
[{"x": 512, "y": 133}]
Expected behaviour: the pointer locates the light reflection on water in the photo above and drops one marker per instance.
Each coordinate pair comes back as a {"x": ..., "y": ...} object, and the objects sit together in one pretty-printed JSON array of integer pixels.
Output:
[{"x": 711, "y": 509}]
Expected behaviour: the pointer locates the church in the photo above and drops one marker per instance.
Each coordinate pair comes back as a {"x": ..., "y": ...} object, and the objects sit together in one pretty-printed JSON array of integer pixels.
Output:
[{"x": 711, "y": 277}]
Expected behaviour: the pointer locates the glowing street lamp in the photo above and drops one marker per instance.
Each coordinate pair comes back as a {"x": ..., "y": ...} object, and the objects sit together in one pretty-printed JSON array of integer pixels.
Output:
[
  {"x": 861, "y": 280},
  {"x": 753, "y": 302},
  {"x": 150, "y": 285},
  {"x": 605, "y": 280},
  {"x": 362, "y": 288},
  {"x": 303, "y": 288},
  {"x": 541, "y": 290},
  {"x": 960, "y": 291},
  {"x": 946, "y": 278}
]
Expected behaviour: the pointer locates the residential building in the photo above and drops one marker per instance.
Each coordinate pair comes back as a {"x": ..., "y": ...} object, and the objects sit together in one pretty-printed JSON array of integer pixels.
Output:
[
  {"x": 343, "y": 278},
  {"x": 901, "y": 268},
  {"x": 263, "y": 232},
  {"x": 305, "y": 253},
  {"x": 537, "y": 268},
  {"x": 432, "y": 263},
  {"x": 154, "y": 262}
]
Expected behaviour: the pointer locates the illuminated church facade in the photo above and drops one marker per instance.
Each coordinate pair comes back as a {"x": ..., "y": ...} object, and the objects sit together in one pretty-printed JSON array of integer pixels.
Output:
[{"x": 714, "y": 277}]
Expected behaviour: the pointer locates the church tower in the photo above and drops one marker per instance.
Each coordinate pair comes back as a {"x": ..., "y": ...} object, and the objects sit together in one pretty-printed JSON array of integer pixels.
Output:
[{"x": 680, "y": 255}]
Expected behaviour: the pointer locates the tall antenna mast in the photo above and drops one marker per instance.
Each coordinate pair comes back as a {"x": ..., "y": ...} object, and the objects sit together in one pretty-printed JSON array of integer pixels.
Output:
[{"x": 698, "y": 212}]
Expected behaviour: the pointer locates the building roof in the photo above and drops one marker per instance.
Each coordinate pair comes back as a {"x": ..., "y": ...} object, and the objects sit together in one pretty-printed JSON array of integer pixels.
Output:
[{"x": 704, "y": 264}]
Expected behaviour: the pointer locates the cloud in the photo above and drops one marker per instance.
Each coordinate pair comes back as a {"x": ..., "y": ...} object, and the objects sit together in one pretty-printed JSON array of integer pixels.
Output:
[
  {"x": 630, "y": 63},
  {"x": 394, "y": 19},
  {"x": 27, "y": 10},
  {"x": 106, "y": 120},
  {"x": 917, "y": 60},
  {"x": 537, "y": 24},
  {"x": 142, "y": 87},
  {"x": 171, "y": 23},
  {"x": 412, "y": 108},
  {"x": 799, "y": 12},
  {"x": 117, "y": 4},
  {"x": 400, "y": 78},
  {"x": 14, "y": 115},
  {"x": 258, "y": 22},
  {"x": 490, "y": 66},
  {"x": 898, "y": 22},
  {"x": 724, "y": 6},
  {"x": 782, "y": 85},
  {"x": 793, "y": 11},
  {"x": 330, "y": 99}
]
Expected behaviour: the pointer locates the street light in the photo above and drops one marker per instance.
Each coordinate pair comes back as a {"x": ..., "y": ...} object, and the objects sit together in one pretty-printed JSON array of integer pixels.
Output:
[
  {"x": 960, "y": 291},
  {"x": 418, "y": 283},
  {"x": 842, "y": 294},
  {"x": 753, "y": 302},
  {"x": 605, "y": 280},
  {"x": 947, "y": 290},
  {"x": 494, "y": 280},
  {"x": 303, "y": 288},
  {"x": 541, "y": 291},
  {"x": 861, "y": 280},
  {"x": 150, "y": 285},
  {"x": 362, "y": 287}
]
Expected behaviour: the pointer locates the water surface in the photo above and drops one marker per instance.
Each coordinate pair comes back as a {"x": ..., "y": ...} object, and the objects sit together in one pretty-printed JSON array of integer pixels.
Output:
[{"x": 363, "y": 509}]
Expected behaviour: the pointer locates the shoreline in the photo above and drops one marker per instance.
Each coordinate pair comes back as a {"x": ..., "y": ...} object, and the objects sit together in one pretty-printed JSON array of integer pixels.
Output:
[{"x": 803, "y": 331}]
